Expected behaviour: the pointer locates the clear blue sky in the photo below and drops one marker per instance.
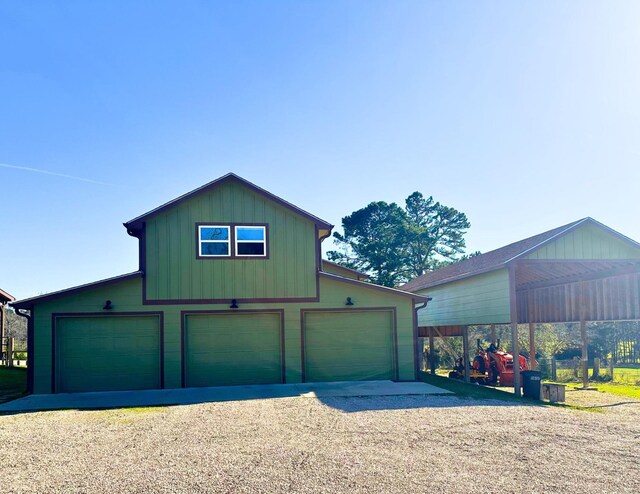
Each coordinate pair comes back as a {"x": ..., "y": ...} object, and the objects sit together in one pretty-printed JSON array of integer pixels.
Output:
[{"x": 523, "y": 115}]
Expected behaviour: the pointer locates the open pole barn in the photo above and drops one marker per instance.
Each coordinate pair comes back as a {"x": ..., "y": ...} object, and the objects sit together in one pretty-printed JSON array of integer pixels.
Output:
[{"x": 580, "y": 272}]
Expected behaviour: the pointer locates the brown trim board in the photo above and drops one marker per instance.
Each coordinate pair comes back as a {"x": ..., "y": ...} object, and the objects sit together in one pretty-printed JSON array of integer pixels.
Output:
[
  {"x": 185, "y": 313},
  {"x": 135, "y": 223},
  {"x": 56, "y": 315},
  {"x": 393, "y": 310},
  {"x": 28, "y": 302}
]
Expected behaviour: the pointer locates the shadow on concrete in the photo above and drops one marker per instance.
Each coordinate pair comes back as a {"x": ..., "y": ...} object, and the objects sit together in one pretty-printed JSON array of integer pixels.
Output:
[{"x": 348, "y": 397}]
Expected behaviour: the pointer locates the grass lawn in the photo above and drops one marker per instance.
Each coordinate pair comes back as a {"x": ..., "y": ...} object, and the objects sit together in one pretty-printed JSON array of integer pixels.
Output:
[
  {"x": 13, "y": 383},
  {"x": 467, "y": 390},
  {"x": 627, "y": 390}
]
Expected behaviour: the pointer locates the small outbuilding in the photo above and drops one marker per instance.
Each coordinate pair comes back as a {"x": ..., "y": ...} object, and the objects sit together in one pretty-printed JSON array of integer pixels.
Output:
[
  {"x": 583, "y": 271},
  {"x": 230, "y": 290}
]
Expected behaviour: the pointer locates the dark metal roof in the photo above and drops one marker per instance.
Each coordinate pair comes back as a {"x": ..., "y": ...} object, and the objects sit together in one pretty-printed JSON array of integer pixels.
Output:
[
  {"x": 28, "y": 302},
  {"x": 498, "y": 258},
  {"x": 360, "y": 274},
  {"x": 136, "y": 223},
  {"x": 365, "y": 284},
  {"x": 5, "y": 297}
]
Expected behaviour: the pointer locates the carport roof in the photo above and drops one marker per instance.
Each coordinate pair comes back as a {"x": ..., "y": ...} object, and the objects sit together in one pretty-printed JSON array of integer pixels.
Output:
[{"x": 499, "y": 258}]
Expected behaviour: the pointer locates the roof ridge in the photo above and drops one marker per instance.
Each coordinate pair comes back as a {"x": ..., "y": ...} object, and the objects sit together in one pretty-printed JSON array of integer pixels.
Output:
[
  {"x": 135, "y": 222},
  {"x": 459, "y": 267}
]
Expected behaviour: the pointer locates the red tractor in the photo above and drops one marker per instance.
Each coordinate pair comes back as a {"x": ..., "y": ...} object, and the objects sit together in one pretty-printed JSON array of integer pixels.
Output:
[{"x": 495, "y": 367}]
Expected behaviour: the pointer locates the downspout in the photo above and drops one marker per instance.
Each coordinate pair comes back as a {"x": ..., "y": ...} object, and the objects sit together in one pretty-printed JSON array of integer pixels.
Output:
[
  {"x": 416, "y": 350},
  {"x": 319, "y": 240},
  {"x": 30, "y": 347}
]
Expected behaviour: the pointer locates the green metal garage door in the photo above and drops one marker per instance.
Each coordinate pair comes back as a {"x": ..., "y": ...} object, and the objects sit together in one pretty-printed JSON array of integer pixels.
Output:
[
  {"x": 233, "y": 349},
  {"x": 107, "y": 353},
  {"x": 348, "y": 346}
]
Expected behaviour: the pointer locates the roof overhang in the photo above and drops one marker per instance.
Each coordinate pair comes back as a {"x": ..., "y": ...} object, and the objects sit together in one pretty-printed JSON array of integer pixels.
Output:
[
  {"x": 134, "y": 226},
  {"x": 6, "y": 297}
]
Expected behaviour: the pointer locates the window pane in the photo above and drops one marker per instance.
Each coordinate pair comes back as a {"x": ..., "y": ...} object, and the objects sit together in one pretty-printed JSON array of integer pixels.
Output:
[
  {"x": 246, "y": 233},
  {"x": 250, "y": 249},
  {"x": 214, "y": 248},
  {"x": 214, "y": 233}
]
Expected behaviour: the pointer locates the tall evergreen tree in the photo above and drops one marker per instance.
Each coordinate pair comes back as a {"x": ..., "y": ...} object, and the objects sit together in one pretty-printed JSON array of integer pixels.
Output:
[{"x": 394, "y": 245}]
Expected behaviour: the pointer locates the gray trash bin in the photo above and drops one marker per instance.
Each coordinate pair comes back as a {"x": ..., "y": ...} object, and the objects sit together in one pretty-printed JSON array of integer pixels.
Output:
[{"x": 532, "y": 384}]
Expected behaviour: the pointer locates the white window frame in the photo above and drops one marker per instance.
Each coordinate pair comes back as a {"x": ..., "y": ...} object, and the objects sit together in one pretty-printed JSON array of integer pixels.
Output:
[
  {"x": 227, "y": 241},
  {"x": 263, "y": 241}
]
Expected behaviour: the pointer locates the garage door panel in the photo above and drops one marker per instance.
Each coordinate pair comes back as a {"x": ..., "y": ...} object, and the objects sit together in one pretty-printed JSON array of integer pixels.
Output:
[
  {"x": 233, "y": 349},
  {"x": 107, "y": 353},
  {"x": 346, "y": 346}
]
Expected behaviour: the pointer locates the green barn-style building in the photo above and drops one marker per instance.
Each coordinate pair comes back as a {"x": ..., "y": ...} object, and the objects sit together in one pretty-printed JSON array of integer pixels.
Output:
[{"x": 231, "y": 290}]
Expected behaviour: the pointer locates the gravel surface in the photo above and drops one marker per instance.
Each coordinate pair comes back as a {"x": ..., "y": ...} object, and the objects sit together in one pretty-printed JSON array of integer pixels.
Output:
[{"x": 435, "y": 444}]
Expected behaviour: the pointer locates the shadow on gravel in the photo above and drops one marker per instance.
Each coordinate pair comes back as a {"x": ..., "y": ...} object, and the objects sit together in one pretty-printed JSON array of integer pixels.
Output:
[
  {"x": 379, "y": 403},
  {"x": 616, "y": 404}
]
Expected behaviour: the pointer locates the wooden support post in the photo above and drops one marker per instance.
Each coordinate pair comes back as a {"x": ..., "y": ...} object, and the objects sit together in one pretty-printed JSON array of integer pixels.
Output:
[
  {"x": 583, "y": 335},
  {"x": 596, "y": 368},
  {"x": 513, "y": 310},
  {"x": 532, "y": 346},
  {"x": 554, "y": 369},
  {"x": 432, "y": 353},
  {"x": 10, "y": 351},
  {"x": 611, "y": 369},
  {"x": 465, "y": 353},
  {"x": 493, "y": 334},
  {"x": 532, "y": 332}
]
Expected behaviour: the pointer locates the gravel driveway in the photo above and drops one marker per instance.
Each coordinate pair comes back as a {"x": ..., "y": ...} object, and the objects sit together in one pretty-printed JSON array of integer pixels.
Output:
[{"x": 378, "y": 444}]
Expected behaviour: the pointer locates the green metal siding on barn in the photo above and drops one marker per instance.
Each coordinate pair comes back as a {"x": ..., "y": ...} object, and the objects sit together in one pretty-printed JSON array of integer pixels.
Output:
[
  {"x": 477, "y": 290},
  {"x": 174, "y": 272},
  {"x": 586, "y": 242},
  {"x": 200, "y": 339},
  {"x": 483, "y": 299}
]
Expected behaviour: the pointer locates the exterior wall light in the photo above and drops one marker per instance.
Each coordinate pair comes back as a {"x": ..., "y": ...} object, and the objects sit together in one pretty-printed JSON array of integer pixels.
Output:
[
  {"x": 234, "y": 304},
  {"x": 108, "y": 305},
  {"x": 349, "y": 301}
]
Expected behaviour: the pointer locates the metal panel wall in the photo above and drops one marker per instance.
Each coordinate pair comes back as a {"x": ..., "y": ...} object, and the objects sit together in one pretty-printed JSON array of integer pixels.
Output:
[
  {"x": 174, "y": 273},
  {"x": 483, "y": 299},
  {"x": 587, "y": 242},
  {"x": 607, "y": 299}
]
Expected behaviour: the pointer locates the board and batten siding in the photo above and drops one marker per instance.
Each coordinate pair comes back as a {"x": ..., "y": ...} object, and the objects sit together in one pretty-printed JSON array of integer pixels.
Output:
[
  {"x": 482, "y": 299},
  {"x": 586, "y": 242},
  {"x": 126, "y": 297},
  {"x": 174, "y": 273}
]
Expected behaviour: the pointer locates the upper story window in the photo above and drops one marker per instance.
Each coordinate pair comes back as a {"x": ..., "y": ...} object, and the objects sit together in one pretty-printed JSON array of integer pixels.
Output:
[
  {"x": 251, "y": 241},
  {"x": 232, "y": 241},
  {"x": 214, "y": 241}
]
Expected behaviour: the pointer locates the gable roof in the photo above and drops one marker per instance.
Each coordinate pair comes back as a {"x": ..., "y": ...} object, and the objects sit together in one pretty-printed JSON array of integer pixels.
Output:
[
  {"x": 371, "y": 286},
  {"x": 499, "y": 258},
  {"x": 28, "y": 302},
  {"x": 5, "y": 297},
  {"x": 340, "y": 267},
  {"x": 136, "y": 223}
]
